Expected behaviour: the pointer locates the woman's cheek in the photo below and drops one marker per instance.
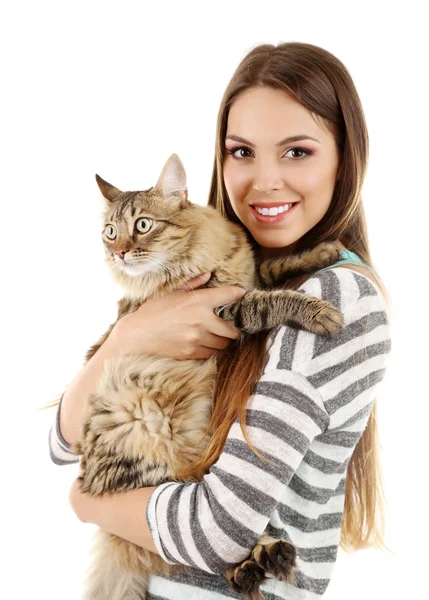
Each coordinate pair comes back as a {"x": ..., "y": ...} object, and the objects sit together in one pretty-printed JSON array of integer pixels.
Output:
[{"x": 236, "y": 182}]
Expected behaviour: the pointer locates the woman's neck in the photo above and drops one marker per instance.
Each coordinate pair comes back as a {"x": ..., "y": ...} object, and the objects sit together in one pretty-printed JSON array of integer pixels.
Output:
[{"x": 265, "y": 253}]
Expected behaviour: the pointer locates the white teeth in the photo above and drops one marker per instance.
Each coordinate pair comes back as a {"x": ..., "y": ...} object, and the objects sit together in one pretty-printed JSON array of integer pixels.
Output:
[{"x": 273, "y": 211}]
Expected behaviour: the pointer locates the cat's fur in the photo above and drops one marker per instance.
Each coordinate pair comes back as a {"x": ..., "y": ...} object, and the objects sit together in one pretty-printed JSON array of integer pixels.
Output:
[{"x": 149, "y": 416}]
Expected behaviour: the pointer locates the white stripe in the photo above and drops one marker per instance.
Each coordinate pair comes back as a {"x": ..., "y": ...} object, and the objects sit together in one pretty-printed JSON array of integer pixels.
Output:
[
  {"x": 316, "y": 570},
  {"x": 329, "y": 451},
  {"x": 183, "y": 522},
  {"x": 158, "y": 526},
  {"x": 236, "y": 508},
  {"x": 274, "y": 351},
  {"x": 340, "y": 353},
  {"x": 314, "y": 539},
  {"x": 308, "y": 508},
  {"x": 57, "y": 449},
  {"x": 295, "y": 380},
  {"x": 333, "y": 388},
  {"x": 256, "y": 478},
  {"x": 285, "y": 412},
  {"x": 159, "y": 586},
  {"x": 268, "y": 444},
  {"x": 286, "y": 590},
  {"x": 318, "y": 479}
]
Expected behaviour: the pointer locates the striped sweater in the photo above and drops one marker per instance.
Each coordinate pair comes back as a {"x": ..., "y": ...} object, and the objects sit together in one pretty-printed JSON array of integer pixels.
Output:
[{"x": 307, "y": 414}]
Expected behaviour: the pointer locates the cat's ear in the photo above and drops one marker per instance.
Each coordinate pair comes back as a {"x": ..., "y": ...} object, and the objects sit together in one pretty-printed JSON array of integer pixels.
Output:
[
  {"x": 172, "y": 181},
  {"x": 108, "y": 190}
]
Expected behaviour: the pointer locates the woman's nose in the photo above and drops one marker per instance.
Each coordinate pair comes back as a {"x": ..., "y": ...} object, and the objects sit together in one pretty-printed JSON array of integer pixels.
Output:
[{"x": 267, "y": 179}]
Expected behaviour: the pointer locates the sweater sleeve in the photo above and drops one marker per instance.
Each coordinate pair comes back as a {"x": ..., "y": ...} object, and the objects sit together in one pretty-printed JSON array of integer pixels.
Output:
[
  {"x": 60, "y": 450},
  {"x": 213, "y": 524}
]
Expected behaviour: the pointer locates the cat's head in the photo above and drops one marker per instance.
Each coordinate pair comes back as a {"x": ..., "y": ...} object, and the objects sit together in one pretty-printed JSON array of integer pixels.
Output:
[{"x": 148, "y": 234}]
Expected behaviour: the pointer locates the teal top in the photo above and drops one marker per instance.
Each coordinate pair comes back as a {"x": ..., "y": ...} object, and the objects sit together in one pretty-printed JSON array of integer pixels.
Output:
[{"x": 349, "y": 257}]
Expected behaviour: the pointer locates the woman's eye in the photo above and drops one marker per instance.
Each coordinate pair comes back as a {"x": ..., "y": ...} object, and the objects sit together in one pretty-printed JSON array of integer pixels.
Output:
[
  {"x": 110, "y": 232},
  {"x": 301, "y": 150},
  {"x": 144, "y": 225},
  {"x": 240, "y": 149}
]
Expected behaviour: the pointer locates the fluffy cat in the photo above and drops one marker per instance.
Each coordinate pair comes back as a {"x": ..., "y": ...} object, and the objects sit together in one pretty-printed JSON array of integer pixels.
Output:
[{"x": 149, "y": 416}]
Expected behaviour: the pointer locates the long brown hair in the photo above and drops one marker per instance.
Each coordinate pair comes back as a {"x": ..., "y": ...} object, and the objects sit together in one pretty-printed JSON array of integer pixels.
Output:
[{"x": 322, "y": 84}]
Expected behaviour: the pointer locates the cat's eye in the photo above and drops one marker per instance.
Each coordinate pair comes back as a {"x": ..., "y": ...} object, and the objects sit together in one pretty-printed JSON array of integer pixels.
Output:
[
  {"x": 144, "y": 225},
  {"x": 110, "y": 232}
]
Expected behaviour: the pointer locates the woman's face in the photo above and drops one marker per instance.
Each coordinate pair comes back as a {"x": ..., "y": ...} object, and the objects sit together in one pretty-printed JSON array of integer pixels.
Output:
[{"x": 263, "y": 171}]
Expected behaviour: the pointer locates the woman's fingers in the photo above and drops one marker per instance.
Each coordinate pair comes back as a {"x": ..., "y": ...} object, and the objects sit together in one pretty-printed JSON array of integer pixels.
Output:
[{"x": 216, "y": 342}]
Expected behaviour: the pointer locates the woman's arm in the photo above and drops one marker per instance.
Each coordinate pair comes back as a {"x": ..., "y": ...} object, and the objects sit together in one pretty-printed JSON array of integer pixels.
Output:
[
  {"x": 122, "y": 513},
  {"x": 312, "y": 384},
  {"x": 84, "y": 384}
]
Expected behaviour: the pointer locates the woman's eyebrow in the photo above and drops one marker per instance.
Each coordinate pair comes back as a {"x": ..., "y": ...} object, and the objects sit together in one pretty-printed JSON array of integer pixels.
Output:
[{"x": 293, "y": 138}]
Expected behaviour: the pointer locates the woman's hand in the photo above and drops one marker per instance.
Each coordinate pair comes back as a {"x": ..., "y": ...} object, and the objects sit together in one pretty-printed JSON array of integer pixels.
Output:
[{"x": 180, "y": 325}]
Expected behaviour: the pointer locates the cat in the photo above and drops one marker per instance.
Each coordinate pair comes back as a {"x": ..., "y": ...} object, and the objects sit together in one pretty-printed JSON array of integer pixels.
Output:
[{"x": 149, "y": 416}]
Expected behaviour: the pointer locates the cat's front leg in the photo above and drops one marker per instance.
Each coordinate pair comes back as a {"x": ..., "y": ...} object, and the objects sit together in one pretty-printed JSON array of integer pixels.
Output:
[{"x": 264, "y": 309}]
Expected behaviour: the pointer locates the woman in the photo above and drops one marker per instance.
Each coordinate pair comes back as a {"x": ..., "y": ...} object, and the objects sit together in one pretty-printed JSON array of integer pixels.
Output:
[{"x": 291, "y": 133}]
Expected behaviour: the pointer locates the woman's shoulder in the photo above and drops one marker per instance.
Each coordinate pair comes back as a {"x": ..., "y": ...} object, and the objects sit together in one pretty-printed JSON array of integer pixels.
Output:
[
  {"x": 345, "y": 286},
  {"x": 366, "y": 321}
]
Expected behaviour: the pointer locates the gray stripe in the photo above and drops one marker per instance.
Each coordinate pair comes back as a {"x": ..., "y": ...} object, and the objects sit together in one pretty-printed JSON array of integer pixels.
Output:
[
  {"x": 341, "y": 488},
  {"x": 241, "y": 450},
  {"x": 310, "y": 492},
  {"x": 325, "y": 465},
  {"x": 280, "y": 429},
  {"x": 330, "y": 288},
  {"x": 173, "y": 526},
  {"x": 233, "y": 529},
  {"x": 304, "y": 582},
  {"x": 345, "y": 439},
  {"x": 354, "y": 390},
  {"x": 205, "y": 581},
  {"x": 62, "y": 442},
  {"x": 320, "y": 554},
  {"x": 305, "y": 524},
  {"x": 354, "y": 330},
  {"x": 290, "y": 395},
  {"x": 317, "y": 554},
  {"x": 365, "y": 287},
  {"x": 214, "y": 562},
  {"x": 287, "y": 348},
  {"x": 260, "y": 502},
  {"x": 324, "y": 376}
]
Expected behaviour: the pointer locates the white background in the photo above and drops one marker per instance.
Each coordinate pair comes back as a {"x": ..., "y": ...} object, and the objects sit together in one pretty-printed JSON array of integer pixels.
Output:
[{"x": 115, "y": 88}]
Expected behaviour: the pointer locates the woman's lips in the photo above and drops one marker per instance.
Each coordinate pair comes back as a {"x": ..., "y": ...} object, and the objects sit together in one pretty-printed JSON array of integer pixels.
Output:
[{"x": 272, "y": 218}]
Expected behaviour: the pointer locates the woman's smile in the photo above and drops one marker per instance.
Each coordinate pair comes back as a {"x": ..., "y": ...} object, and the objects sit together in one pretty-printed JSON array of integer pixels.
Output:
[{"x": 272, "y": 212}]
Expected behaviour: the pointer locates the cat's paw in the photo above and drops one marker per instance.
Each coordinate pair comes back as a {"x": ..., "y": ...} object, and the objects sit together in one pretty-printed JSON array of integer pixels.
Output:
[
  {"x": 228, "y": 312},
  {"x": 322, "y": 318},
  {"x": 246, "y": 578},
  {"x": 277, "y": 557},
  {"x": 324, "y": 254}
]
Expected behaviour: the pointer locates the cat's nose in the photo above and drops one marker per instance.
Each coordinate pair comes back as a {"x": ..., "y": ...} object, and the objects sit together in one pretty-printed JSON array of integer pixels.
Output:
[{"x": 121, "y": 253}]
